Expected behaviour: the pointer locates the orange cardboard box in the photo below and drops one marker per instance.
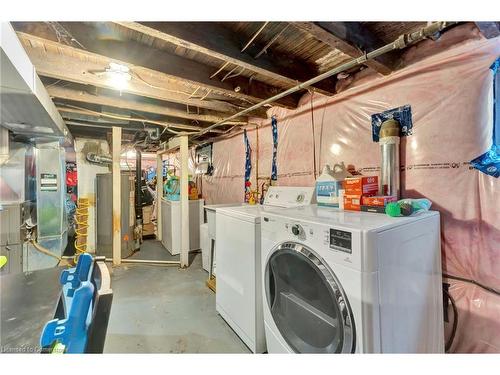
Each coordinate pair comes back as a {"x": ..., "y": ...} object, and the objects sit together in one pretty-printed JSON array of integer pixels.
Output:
[
  {"x": 352, "y": 202},
  {"x": 378, "y": 201},
  {"x": 365, "y": 185}
]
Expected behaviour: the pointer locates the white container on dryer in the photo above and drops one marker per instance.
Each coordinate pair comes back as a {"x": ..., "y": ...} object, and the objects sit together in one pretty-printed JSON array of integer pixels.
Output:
[
  {"x": 329, "y": 185},
  {"x": 239, "y": 289},
  {"x": 346, "y": 282}
]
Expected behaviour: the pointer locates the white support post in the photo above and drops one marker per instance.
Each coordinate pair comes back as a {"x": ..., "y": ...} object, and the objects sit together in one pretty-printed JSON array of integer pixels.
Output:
[
  {"x": 159, "y": 195},
  {"x": 116, "y": 176},
  {"x": 184, "y": 201}
]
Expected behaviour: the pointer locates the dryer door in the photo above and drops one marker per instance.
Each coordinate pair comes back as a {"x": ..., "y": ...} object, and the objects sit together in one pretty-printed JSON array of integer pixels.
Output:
[{"x": 307, "y": 302}]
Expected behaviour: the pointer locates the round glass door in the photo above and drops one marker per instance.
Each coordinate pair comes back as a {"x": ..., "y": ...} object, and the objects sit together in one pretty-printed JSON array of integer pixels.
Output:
[{"x": 307, "y": 302}]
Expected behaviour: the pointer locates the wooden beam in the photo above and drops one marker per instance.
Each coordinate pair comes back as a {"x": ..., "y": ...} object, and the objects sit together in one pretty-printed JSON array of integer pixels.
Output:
[
  {"x": 97, "y": 38},
  {"x": 85, "y": 97},
  {"x": 116, "y": 176},
  {"x": 89, "y": 112},
  {"x": 214, "y": 40},
  {"x": 59, "y": 61},
  {"x": 184, "y": 201},
  {"x": 489, "y": 30},
  {"x": 159, "y": 195},
  {"x": 351, "y": 39}
]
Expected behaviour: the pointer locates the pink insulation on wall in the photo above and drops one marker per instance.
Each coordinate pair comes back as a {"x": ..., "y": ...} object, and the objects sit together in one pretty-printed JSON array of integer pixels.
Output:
[{"x": 450, "y": 94}]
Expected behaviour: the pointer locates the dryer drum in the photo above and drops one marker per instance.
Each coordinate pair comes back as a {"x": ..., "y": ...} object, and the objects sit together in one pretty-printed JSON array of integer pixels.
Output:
[{"x": 307, "y": 302}]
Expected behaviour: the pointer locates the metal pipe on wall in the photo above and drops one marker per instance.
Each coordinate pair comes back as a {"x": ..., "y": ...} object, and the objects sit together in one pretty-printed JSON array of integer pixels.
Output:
[
  {"x": 389, "y": 182},
  {"x": 401, "y": 42},
  {"x": 138, "y": 187}
]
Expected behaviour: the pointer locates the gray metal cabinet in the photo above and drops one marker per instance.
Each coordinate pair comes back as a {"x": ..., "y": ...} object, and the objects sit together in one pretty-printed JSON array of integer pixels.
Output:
[
  {"x": 15, "y": 259},
  {"x": 10, "y": 236}
]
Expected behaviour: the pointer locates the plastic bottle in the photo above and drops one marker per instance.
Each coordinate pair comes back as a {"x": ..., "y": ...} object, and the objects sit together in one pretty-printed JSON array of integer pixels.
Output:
[
  {"x": 407, "y": 207},
  {"x": 329, "y": 184}
]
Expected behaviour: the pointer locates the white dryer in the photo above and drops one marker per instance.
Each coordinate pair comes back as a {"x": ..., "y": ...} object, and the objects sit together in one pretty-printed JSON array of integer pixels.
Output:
[
  {"x": 238, "y": 296},
  {"x": 343, "y": 282}
]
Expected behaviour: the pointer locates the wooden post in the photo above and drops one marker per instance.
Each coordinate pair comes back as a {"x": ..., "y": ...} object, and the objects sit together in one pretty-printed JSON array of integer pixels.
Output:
[
  {"x": 159, "y": 194},
  {"x": 184, "y": 201},
  {"x": 116, "y": 175}
]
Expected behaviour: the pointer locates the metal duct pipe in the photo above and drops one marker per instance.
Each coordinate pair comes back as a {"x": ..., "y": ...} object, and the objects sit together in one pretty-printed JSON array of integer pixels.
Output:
[
  {"x": 389, "y": 182},
  {"x": 99, "y": 159},
  {"x": 138, "y": 187},
  {"x": 401, "y": 42}
]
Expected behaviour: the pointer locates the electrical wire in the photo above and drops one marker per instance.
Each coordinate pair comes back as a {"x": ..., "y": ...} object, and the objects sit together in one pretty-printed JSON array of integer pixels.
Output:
[
  {"x": 189, "y": 95},
  {"x": 118, "y": 117},
  {"x": 313, "y": 136},
  {"x": 321, "y": 138},
  {"x": 43, "y": 250},
  {"x": 449, "y": 343},
  {"x": 487, "y": 288}
]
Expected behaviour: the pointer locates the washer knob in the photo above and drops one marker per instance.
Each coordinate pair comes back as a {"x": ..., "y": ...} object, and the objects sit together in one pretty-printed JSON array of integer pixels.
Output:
[{"x": 296, "y": 229}]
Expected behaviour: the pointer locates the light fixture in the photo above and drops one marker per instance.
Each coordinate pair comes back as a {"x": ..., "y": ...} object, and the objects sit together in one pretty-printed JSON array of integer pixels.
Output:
[{"x": 118, "y": 75}]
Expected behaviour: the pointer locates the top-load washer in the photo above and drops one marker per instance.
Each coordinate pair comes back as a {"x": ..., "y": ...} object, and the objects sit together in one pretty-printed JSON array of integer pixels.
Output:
[
  {"x": 239, "y": 289},
  {"x": 343, "y": 282}
]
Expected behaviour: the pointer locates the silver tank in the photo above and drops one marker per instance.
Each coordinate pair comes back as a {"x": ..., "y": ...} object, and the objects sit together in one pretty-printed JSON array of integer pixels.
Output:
[{"x": 389, "y": 158}]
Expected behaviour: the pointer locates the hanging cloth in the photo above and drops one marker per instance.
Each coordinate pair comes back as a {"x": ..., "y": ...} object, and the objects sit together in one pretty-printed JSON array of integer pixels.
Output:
[
  {"x": 274, "y": 168},
  {"x": 248, "y": 167}
]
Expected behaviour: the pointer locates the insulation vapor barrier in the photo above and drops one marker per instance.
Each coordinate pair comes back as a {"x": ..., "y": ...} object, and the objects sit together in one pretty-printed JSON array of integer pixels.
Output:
[{"x": 450, "y": 95}]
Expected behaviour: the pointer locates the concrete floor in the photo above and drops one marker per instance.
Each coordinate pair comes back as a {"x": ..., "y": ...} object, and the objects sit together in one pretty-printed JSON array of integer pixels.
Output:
[{"x": 159, "y": 309}]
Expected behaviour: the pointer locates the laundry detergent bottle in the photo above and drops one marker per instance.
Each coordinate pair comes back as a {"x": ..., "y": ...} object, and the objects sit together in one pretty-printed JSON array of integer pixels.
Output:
[{"x": 329, "y": 184}]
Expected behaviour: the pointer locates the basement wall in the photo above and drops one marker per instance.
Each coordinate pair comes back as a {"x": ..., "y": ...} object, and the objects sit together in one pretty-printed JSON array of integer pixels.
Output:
[{"x": 450, "y": 93}]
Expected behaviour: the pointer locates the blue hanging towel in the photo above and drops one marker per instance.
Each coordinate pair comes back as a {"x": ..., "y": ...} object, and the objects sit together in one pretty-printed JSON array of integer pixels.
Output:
[
  {"x": 274, "y": 169},
  {"x": 248, "y": 166},
  {"x": 489, "y": 162}
]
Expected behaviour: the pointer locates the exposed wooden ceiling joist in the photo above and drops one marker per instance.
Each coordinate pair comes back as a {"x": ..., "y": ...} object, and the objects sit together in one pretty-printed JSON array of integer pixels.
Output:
[
  {"x": 85, "y": 97},
  {"x": 351, "y": 39},
  {"x": 214, "y": 40},
  {"x": 168, "y": 124},
  {"x": 60, "y": 61},
  {"x": 99, "y": 38}
]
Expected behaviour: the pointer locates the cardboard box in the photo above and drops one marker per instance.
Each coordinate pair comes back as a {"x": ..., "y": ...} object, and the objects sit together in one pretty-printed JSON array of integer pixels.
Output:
[
  {"x": 378, "y": 200},
  {"x": 363, "y": 185},
  {"x": 352, "y": 202},
  {"x": 148, "y": 229},
  {"x": 147, "y": 211}
]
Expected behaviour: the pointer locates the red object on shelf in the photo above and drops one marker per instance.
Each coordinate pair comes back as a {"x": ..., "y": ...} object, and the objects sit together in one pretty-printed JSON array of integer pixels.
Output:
[{"x": 366, "y": 185}]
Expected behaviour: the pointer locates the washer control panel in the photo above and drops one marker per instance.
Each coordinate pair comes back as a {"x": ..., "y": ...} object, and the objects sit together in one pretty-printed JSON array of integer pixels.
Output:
[
  {"x": 289, "y": 196},
  {"x": 340, "y": 240}
]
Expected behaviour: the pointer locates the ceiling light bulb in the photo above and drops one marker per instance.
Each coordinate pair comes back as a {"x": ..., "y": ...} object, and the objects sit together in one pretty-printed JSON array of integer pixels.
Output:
[
  {"x": 118, "y": 76},
  {"x": 118, "y": 80}
]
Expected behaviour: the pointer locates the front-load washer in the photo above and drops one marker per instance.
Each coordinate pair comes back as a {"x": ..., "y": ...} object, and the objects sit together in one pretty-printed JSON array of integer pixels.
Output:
[
  {"x": 238, "y": 297},
  {"x": 344, "y": 282}
]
